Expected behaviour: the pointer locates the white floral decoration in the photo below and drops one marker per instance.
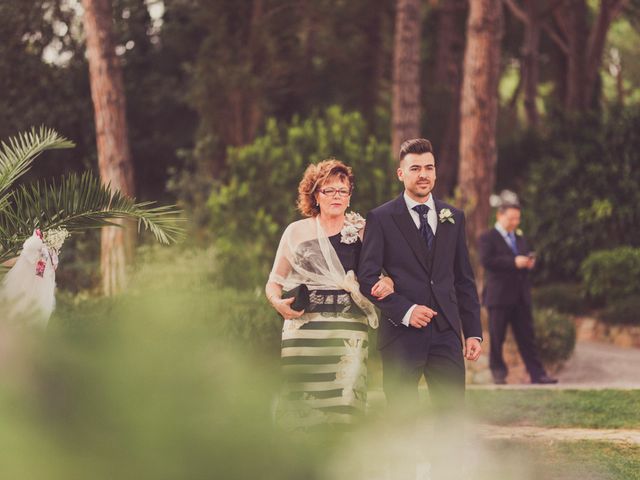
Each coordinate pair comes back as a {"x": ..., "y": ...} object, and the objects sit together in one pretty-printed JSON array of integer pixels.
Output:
[
  {"x": 353, "y": 223},
  {"x": 54, "y": 238},
  {"x": 445, "y": 215}
]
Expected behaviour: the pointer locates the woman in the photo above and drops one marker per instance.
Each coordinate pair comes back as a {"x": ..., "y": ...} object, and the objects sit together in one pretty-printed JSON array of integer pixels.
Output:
[{"x": 324, "y": 348}]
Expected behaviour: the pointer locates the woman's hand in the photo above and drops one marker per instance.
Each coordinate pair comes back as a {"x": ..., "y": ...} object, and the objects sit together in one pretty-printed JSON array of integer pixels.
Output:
[
  {"x": 383, "y": 288},
  {"x": 283, "y": 307}
]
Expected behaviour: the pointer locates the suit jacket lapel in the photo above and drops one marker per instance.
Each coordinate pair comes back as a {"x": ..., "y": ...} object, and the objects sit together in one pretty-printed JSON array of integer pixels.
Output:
[
  {"x": 441, "y": 231},
  {"x": 405, "y": 224}
]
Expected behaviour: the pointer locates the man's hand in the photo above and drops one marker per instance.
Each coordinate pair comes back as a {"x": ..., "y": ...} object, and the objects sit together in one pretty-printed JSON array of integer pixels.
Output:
[
  {"x": 522, "y": 261},
  {"x": 472, "y": 349},
  {"x": 421, "y": 316}
]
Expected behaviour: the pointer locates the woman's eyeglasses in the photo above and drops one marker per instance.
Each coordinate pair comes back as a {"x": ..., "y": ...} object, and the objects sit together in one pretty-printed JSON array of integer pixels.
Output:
[{"x": 330, "y": 192}]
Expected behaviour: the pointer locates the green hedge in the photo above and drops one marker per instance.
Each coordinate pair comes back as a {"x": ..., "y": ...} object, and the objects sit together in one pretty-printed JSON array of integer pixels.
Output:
[
  {"x": 609, "y": 275},
  {"x": 624, "y": 311},
  {"x": 555, "y": 335},
  {"x": 563, "y": 297}
]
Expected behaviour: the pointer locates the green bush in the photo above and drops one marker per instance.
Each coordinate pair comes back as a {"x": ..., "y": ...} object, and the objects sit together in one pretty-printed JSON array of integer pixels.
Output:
[
  {"x": 182, "y": 282},
  {"x": 584, "y": 193},
  {"x": 563, "y": 297},
  {"x": 555, "y": 335},
  {"x": 624, "y": 311},
  {"x": 608, "y": 275},
  {"x": 257, "y": 198}
]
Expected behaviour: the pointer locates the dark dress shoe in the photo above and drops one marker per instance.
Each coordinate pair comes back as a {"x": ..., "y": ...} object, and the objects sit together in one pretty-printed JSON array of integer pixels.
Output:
[
  {"x": 545, "y": 379},
  {"x": 499, "y": 381}
]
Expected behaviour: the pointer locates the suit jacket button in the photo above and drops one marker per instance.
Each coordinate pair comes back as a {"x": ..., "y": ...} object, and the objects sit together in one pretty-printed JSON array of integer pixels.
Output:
[{"x": 432, "y": 282}]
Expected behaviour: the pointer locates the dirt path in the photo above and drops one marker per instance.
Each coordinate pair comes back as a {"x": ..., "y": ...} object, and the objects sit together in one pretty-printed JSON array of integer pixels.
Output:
[
  {"x": 498, "y": 432},
  {"x": 603, "y": 365},
  {"x": 593, "y": 365}
]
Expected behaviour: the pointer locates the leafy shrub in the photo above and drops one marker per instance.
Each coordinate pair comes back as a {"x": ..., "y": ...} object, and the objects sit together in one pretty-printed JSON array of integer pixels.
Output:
[
  {"x": 555, "y": 335},
  {"x": 257, "y": 198},
  {"x": 562, "y": 297},
  {"x": 612, "y": 274},
  {"x": 584, "y": 194},
  {"x": 623, "y": 311}
]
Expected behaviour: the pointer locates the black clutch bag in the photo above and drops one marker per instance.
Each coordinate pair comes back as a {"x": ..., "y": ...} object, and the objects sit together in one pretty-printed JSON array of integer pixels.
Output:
[{"x": 301, "y": 296}]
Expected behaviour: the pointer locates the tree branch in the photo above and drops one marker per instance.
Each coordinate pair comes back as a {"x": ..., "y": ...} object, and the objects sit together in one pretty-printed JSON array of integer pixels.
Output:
[
  {"x": 558, "y": 40},
  {"x": 517, "y": 11}
]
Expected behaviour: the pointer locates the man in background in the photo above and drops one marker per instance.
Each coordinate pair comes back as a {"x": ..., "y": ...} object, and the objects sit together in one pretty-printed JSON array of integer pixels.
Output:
[{"x": 507, "y": 259}]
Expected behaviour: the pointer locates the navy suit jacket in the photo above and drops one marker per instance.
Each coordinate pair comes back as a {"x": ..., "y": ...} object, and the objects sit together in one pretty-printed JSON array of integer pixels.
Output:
[
  {"x": 504, "y": 284},
  {"x": 441, "y": 279}
]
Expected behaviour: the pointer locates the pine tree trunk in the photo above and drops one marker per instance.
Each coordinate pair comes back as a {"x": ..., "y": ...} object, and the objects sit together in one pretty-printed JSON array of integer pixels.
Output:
[
  {"x": 531, "y": 62},
  {"x": 479, "y": 111},
  {"x": 114, "y": 155},
  {"x": 576, "y": 13},
  {"x": 405, "y": 116},
  {"x": 450, "y": 42}
]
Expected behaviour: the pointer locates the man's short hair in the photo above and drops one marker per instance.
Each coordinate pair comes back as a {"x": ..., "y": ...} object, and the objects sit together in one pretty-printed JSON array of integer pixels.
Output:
[
  {"x": 415, "y": 145},
  {"x": 506, "y": 206}
]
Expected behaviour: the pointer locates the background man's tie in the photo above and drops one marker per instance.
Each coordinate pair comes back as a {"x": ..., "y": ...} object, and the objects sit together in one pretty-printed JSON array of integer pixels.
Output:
[{"x": 512, "y": 242}]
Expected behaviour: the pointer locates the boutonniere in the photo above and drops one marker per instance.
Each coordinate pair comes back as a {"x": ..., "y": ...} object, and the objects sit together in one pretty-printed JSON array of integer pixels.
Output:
[
  {"x": 519, "y": 232},
  {"x": 353, "y": 223},
  {"x": 445, "y": 215}
]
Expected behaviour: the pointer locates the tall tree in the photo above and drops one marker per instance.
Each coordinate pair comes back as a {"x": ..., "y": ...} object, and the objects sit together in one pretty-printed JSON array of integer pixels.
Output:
[
  {"x": 479, "y": 110},
  {"x": 114, "y": 155},
  {"x": 405, "y": 115},
  {"x": 532, "y": 16},
  {"x": 582, "y": 46},
  {"x": 450, "y": 40}
]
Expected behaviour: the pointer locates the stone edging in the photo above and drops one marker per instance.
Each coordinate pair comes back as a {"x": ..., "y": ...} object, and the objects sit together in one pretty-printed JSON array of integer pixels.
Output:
[{"x": 592, "y": 329}]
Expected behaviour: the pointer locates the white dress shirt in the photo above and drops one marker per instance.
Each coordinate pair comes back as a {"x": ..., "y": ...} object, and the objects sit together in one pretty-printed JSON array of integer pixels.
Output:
[
  {"x": 432, "y": 215},
  {"x": 504, "y": 233}
]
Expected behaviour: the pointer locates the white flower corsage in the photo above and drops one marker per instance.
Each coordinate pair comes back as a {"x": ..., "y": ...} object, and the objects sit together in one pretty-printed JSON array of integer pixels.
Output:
[
  {"x": 445, "y": 215},
  {"x": 353, "y": 223},
  {"x": 55, "y": 238},
  {"x": 519, "y": 232}
]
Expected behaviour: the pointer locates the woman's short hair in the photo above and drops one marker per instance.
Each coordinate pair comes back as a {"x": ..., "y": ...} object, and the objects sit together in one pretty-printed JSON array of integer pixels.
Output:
[{"x": 314, "y": 177}]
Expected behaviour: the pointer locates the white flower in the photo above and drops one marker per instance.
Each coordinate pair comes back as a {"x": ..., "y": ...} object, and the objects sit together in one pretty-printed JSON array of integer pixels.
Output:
[
  {"x": 54, "y": 238},
  {"x": 446, "y": 216},
  {"x": 353, "y": 223}
]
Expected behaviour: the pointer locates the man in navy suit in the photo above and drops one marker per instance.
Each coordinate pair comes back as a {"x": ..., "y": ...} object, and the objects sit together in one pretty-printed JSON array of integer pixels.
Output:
[
  {"x": 506, "y": 257},
  {"x": 432, "y": 320}
]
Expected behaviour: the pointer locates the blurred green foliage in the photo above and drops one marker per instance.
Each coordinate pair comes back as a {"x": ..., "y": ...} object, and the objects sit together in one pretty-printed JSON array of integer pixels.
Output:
[
  {"x": 564, "y": 297},
  {"x": 612, "y": 274},
  {"x": 257, "y": 199},
  {"x": 584, "y": 193},
  {"x": 555, "y": 335},
  {"x": 157, "y": 384}
]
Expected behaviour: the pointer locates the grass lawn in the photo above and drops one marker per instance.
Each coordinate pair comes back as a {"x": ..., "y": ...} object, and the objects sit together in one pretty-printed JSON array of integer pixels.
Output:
[
  {"x": 558, "y": 408},
  {"x": 585, "y": 460}
]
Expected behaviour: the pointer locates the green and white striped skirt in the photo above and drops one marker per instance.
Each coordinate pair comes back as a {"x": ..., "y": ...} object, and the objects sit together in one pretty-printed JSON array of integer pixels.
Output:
[{"x": 324, "y": 361}]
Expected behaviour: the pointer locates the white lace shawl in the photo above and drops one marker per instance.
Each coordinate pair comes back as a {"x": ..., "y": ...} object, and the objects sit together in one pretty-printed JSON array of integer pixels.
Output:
[{"x": 305, "y": 256}]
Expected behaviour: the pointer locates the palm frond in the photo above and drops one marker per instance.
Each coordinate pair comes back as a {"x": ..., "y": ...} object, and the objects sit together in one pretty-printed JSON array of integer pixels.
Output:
[
  {"x": 18, "y": 153},
  {"x": 78, "y": 203}
]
